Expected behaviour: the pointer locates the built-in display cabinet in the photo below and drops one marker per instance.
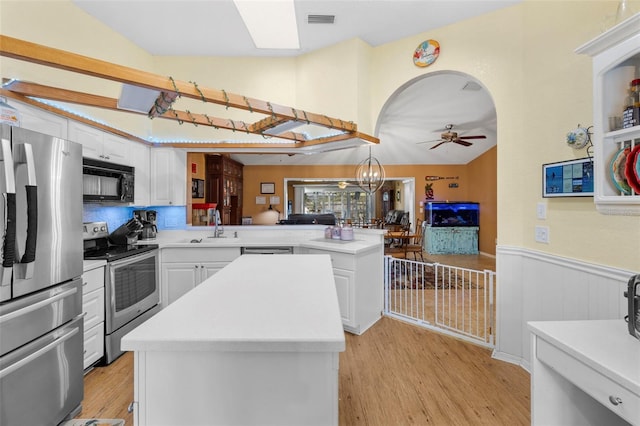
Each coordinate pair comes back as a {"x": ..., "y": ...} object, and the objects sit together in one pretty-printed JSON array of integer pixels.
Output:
[
  {"x": 224, "y": 187},
  {"x": 616, "y": 62}
]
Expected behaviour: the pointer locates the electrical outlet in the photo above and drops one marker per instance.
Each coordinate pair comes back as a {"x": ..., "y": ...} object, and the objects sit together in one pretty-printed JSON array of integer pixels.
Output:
[
  {"x": 542, "y": 234},
  {"x": 541, "y": 210}
]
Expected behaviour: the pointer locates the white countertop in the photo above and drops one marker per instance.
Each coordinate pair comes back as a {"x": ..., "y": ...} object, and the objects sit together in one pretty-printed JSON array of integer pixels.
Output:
[
  {"x": 364, "y": 240},
  {"x": 255, "y": 304},
  {"x": 604, "y": 345}
]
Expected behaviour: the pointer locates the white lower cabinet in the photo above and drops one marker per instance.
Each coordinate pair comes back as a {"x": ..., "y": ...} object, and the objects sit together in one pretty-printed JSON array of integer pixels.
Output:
[
  {"x": 359, "y": 286},
  {"x": 93, "y": 308},
  {"x": 184, "y": 268}
]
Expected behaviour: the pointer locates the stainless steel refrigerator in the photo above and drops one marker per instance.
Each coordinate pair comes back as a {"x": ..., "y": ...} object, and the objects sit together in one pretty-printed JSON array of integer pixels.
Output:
[{"x": 41, "y": 332}]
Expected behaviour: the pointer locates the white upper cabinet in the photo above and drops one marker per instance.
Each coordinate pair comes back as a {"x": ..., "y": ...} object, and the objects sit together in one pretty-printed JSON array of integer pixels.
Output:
[
  {"x": 616, "y": 62},
  {"x": 99, "y": 144},
  {"x": 169, "y": 171},
  {"x": 41, "y": 121},
  {"x": 139, "y": 159}
]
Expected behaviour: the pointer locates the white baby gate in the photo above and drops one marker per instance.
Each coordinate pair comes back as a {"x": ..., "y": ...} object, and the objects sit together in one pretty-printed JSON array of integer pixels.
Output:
[{"x": 449, "y": 299}]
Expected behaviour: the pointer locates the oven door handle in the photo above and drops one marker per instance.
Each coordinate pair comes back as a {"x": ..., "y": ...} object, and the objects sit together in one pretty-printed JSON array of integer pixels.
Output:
[{"x": 132, "y": 259}]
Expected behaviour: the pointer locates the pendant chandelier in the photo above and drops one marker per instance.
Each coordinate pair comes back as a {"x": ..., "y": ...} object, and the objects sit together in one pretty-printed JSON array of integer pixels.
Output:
[{"x": 370, "y": 174}]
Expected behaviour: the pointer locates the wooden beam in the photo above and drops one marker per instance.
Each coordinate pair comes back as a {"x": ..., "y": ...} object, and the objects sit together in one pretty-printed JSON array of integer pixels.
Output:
[
  {"x": 56, "y": 58},
  {"x": 222, "y": 123},
  {"x": 27, "y": 100},
  {"x": 238, "y": 147},
  {"x": 70, "y": 96},
  {"x": 62, "y": 95}
]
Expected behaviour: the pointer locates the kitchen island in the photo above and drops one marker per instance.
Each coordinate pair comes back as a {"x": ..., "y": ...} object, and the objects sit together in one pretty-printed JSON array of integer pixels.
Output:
[{"x": 257, "y": 343}]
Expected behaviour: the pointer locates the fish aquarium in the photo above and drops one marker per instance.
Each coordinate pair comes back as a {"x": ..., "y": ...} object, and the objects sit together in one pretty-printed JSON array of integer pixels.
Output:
[{"x": 440, "y": 214}]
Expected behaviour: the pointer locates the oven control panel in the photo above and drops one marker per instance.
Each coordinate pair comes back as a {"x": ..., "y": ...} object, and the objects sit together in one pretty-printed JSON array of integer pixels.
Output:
[{"x": 92, "y": 230}]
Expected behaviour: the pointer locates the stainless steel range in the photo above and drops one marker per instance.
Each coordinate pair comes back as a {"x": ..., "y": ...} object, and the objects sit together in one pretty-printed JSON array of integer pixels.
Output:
[{"x": 132, "y": 291}]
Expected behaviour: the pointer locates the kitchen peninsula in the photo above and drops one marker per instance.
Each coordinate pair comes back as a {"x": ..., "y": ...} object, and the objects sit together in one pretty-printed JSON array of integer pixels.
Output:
[
  {"x": 257, "y": 343},
  {"x": 188, "y": 257}
]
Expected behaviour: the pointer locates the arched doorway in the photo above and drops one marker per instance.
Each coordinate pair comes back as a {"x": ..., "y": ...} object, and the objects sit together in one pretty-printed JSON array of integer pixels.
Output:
[{"x": 410, "y": 128}]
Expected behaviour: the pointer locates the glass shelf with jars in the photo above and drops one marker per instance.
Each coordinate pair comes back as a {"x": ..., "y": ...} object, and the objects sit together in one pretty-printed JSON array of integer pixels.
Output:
[{"x": 616, "y": 109}]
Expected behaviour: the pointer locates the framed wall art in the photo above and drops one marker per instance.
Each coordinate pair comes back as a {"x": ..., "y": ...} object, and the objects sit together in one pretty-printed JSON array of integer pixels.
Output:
[
  {"x": 197, "y": 188},
  {"x": 267, "y": 188},
  {"x": 573, "y": 178}
]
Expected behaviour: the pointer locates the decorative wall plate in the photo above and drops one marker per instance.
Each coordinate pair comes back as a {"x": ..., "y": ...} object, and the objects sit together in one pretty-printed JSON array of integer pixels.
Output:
[
  {"x": 578, "y": 138},
  {"x": 630, "y": 169},
  {"x": 618, "y": 164},
  {"x": 426, "y": 53}
]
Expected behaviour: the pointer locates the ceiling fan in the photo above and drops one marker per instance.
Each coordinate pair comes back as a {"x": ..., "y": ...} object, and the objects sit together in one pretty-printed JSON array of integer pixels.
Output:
[{"x": 450, "y": 136}]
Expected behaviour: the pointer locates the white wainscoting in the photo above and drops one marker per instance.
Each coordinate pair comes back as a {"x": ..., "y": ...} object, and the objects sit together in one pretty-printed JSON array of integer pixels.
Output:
[{"x": 537, "y": 286}]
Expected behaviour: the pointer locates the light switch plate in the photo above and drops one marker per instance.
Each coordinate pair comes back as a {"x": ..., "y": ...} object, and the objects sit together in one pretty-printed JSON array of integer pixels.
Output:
[
  {"x": 541, "y": 210},
  {"x": 542, "y": 234}
]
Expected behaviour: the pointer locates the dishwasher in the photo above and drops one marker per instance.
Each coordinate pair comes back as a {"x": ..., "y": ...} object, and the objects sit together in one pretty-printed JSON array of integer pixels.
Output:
[{"x": 267, "y": 250}]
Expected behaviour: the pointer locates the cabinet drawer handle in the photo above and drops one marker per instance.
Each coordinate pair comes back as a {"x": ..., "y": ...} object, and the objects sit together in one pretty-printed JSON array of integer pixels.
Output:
[{"x": 615, "y": 400}]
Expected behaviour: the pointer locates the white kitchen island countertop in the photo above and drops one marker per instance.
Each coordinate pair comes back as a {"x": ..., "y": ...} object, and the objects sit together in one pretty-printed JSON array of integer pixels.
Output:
[{"x": 255, "y": 304}]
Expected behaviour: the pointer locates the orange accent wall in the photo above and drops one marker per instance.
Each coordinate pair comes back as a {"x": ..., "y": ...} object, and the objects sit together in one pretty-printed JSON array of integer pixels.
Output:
[
  {"x": 477, "y": 181},
  {"x": 483, "y": 188},
  {"x": 196, "y": 158}
]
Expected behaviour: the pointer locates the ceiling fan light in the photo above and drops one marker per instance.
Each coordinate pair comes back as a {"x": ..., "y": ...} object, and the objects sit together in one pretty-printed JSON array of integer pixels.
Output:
[{"x": 472, "y": 86}]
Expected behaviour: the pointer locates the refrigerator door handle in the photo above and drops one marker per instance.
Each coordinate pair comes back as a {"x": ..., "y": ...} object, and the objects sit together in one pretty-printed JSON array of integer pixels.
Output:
[
  {"x": 24, "y": 361},
  {"x": 26, "y": 267},
  {"x": 9, "y": 242},
  {"x": 35, "y": 306}
]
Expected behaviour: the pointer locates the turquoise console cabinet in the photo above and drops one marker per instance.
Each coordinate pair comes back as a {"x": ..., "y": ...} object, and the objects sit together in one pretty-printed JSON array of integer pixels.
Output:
[
  {"x": 454, "y": 240},
  {"x": 451, "y": 228}
]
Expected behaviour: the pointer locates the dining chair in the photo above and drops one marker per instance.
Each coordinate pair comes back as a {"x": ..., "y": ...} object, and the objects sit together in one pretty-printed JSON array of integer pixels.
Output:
[
  {"x": 416, "y": 245},
  {"x": 397, "y": 245}
]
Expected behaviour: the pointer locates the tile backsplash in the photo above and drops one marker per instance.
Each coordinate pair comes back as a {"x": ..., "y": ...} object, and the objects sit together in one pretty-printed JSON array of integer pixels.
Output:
[{"x": 169, "y": 217}]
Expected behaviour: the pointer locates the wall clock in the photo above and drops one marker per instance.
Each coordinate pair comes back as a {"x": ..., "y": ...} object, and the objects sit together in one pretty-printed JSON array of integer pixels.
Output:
[{"x": 426, "y": 53}]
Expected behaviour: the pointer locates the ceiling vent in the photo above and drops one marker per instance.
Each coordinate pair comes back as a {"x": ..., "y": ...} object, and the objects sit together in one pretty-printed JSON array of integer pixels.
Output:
[{"x": 320, "y": 19}]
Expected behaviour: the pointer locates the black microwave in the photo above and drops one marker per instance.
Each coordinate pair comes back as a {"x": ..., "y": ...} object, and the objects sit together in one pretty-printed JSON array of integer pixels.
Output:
[{"x": 106, "y": 182}]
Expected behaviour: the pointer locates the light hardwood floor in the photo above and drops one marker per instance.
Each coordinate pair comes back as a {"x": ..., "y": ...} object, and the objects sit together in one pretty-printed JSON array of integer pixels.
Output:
[{"x": 394, "y": 374}]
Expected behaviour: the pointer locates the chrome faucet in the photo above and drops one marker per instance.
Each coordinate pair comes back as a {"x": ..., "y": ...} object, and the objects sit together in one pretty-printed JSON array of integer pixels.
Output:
[{"x": 218, "y": 230}]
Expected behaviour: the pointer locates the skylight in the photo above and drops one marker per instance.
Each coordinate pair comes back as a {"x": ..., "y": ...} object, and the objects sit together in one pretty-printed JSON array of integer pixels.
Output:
[{"x": 271, "y": 23}]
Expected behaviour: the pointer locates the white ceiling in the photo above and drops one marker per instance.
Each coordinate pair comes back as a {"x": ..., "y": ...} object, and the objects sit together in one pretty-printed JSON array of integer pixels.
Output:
[{"x": 214, "y": 28}]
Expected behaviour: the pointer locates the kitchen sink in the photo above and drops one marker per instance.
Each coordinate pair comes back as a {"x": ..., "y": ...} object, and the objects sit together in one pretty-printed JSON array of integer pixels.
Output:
[{"x": 207, "y": 241}]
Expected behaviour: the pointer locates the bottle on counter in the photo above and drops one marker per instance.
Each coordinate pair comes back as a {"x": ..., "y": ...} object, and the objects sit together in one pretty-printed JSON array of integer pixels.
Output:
[
  {"x": 336, "y": 233},
  {"x": 347, "y": 233},
  {"x": 627, "y": 113},
  {"x": 328, "y": 232},
  {"x": 635, "y": 92}
]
